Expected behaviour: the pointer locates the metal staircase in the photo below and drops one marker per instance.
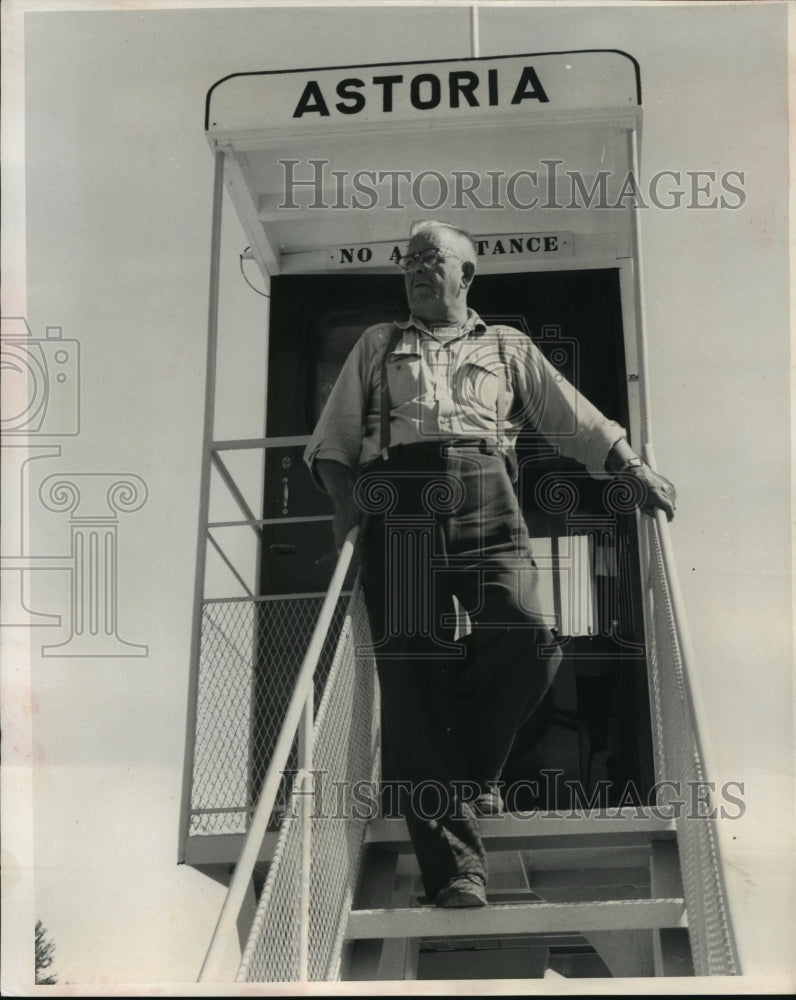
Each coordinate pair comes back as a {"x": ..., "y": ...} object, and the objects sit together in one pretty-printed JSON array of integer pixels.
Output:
[
  {"x": 595, "y": 894},
  {"x": 626, "y": 891}
]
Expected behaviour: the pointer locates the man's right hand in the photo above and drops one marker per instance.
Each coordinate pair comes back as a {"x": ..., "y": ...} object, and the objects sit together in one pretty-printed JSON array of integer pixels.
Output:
[
  {"x": 339, "y": 482},
  {"x": 346, "y": 515}
]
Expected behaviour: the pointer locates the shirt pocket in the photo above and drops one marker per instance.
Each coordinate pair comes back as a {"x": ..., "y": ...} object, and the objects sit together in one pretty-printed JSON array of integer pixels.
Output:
[
  {"x": 477, "y": 386},
  {"x": 404, "y": 378}
]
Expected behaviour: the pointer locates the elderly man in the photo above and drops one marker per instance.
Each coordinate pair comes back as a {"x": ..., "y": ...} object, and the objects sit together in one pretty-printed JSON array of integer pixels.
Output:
[{"x": 418, "y": 436}]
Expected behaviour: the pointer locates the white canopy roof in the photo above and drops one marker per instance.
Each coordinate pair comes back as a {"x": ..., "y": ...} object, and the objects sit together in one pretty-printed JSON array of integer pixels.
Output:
[{"x": 319, "y": 160}]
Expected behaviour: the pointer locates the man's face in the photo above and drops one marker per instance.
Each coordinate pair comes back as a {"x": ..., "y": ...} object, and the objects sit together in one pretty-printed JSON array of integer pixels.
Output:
[{"x": 435, "y": 291}]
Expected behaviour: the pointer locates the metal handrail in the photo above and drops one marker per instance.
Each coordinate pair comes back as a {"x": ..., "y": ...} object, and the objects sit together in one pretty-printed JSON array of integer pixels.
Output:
[
  {"x": 299, "y": 715},
  {"x": 713, "y": 943},
  {"x": 699, "y": 717}
]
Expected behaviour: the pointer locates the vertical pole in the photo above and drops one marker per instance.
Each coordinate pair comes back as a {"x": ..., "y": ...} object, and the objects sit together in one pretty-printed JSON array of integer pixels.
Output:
[
  {"x": 204, "y": 499},
  {"x": 563, "y": 618},
  {"x": 257, "y": 608},
  {"x": 643, "y": 378},
  {"x": 474, "y": 30},
  {"x": 307, "y": 781},
  {"x": 638, "y": 274}
]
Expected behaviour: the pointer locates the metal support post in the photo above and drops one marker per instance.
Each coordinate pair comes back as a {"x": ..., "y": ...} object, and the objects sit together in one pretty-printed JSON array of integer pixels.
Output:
[{"x": 204, "y": 500}]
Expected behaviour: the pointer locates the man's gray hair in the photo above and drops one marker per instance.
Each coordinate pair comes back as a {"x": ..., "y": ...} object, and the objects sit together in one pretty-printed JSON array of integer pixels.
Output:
[{"x": 435, "y": 224}]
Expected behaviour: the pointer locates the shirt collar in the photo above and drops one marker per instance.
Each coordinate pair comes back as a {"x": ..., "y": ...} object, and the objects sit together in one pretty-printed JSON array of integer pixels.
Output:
[{"x": 473, "y": 324}]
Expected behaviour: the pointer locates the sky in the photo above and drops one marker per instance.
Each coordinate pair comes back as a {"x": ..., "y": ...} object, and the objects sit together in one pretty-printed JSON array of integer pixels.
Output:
[{"x": 106, "y": 208}]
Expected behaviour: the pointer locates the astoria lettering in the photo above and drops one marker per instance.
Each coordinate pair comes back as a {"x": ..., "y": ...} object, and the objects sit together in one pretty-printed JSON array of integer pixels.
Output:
[{"x": 424, "y": 91}]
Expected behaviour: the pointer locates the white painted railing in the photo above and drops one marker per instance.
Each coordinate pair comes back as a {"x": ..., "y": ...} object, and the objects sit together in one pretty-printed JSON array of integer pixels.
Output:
[
  {"x": 299, "y": 718},
  {"x": 681, "y": 736}
]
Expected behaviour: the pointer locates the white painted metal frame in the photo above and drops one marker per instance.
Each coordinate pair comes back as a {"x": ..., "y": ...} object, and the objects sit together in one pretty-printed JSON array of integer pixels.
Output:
[
  {"x": 204, "y": 499},
  {"x": 230, "y": 171}
]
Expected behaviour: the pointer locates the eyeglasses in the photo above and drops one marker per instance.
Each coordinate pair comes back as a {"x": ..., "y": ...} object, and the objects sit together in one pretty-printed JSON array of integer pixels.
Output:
[{"x": 428, "y": 258}]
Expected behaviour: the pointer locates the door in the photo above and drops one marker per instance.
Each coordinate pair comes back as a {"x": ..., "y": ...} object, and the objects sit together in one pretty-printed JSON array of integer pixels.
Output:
[{"x": 592, "y": 733}]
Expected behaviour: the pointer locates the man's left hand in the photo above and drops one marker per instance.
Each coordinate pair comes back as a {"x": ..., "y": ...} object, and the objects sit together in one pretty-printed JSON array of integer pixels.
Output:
[{"x": 658, "y": 492}]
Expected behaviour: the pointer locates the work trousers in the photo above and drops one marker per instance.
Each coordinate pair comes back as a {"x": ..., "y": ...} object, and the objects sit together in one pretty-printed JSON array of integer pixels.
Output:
[{"x": 443, "y": 521}]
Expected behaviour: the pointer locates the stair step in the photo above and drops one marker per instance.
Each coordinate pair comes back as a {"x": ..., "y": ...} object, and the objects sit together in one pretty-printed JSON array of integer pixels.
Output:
[
  {"x": 517, "y": 918},
  {"x": 543, "y": 831}
]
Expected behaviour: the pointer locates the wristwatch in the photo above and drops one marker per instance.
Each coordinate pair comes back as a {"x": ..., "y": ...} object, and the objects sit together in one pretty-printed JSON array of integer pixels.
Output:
[{"x": 632, "y": 463}]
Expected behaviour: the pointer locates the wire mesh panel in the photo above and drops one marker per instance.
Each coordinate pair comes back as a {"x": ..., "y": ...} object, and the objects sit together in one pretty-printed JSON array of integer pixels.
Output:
[
  {"x": 345, "y": 760},
  {"x": 219, "y": 792},
  {"x": 679, "y": 761},
  {"x": 250, "y": 656}
]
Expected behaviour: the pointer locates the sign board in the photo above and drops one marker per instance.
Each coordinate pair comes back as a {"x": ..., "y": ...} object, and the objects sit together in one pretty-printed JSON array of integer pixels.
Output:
[
  {"x": 396, "y": 93},
  {"x": 501, "y": 246}
]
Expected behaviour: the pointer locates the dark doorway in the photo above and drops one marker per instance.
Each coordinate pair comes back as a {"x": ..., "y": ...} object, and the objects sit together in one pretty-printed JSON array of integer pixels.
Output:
[{"x": 590, "y": 740}]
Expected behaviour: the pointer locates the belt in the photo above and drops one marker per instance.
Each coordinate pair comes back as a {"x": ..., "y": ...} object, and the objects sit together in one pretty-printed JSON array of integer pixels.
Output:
[
  {"x": 429, "y": 451},
  {"x": 444, "y": 447}
]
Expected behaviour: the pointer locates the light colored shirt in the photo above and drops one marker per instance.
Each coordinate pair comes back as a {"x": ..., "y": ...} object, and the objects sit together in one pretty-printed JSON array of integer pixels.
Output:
[{"x": 482, "y": 382}]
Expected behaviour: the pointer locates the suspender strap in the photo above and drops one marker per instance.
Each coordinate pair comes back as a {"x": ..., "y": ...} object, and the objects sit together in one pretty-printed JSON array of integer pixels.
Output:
[
  {"x": 500, "y": 417},
  {"x": 385, "y": 401}
]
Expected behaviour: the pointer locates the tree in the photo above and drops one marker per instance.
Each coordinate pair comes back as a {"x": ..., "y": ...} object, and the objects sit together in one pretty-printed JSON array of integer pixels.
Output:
[{"x": 44, "y": 956}]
